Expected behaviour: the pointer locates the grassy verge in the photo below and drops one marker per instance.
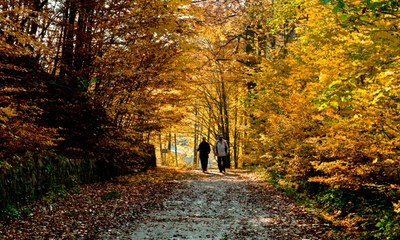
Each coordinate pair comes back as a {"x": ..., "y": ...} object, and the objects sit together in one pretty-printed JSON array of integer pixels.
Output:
[{"x": 363, "y": 214}]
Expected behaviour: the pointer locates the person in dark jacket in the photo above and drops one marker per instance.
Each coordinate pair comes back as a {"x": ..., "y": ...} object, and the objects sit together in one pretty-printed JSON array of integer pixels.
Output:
[{"x": 204, "y": 149}]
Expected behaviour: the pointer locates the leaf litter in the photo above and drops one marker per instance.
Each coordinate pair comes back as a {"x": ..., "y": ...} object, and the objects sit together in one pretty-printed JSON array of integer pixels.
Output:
[
  {"x": 234, "y": 205},
  {"x": 168, "y": 203}
]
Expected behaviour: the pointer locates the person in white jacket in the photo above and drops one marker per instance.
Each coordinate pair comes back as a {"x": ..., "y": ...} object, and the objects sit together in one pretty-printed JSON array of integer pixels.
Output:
[{"x": 221, "y": 150}]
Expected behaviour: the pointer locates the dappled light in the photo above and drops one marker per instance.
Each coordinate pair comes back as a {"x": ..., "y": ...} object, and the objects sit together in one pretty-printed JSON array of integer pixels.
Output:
[
  {"x": 226, "y": 206},
  {"x": 270, "y": 119}
]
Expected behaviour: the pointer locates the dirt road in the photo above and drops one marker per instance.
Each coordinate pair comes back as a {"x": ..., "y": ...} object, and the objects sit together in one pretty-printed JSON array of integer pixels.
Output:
[{"x": 234, "y": 205}]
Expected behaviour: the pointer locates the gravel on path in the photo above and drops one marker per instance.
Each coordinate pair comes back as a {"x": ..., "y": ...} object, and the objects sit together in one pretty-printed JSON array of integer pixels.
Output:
[{"x": 232, "y": 205}]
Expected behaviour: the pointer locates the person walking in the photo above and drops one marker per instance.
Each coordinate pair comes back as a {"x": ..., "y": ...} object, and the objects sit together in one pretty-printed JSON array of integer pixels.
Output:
[
  {"x": 221, "y": 150},
  {"x": 204, "y": 148}
]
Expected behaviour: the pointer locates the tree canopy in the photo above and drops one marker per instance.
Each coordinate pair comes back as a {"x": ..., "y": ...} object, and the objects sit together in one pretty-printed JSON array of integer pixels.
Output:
[{"x": 308, "y": 88}]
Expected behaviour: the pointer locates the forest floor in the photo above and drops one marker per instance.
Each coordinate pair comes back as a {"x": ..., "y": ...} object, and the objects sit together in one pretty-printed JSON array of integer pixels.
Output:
[
  {"x": 232, "y": 205},
  {"x": 168, "y": 203}
]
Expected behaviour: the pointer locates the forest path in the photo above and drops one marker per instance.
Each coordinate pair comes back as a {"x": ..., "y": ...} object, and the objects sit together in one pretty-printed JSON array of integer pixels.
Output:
[{"x": 233, "y": 205}]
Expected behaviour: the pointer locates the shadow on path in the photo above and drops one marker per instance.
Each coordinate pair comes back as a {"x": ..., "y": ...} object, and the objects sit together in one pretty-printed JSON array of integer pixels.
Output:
[{"x": 226, "y": 206}]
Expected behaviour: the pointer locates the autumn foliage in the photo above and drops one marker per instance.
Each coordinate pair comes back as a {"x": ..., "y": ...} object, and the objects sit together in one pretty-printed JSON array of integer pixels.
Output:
[
  {"x": 88, "y": 81},
  {"x": 325, "y": 103},
  {"x": 325, "y": 108},
  {"x": 306, "y": 88}
]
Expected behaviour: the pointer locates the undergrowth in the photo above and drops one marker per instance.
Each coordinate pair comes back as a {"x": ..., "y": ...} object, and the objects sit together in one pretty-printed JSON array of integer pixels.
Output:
[{"x": 367, "y": 213}]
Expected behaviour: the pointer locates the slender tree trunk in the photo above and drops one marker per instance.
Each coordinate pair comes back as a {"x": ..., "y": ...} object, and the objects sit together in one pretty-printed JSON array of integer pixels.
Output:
[
  {"x": 161, "y": 152},
  {"x": 176, "y": 151},
  {"x": 67, "y": 56},
  {"x": 226, "y": 118},
  {"x": 208, "y": 133},
  {"x": 58, "y": 52},
  {"x": 235, "y": 140},
  {"x": 148, "y": 136},
  {"x": 169, "y": 142},
  {"x": 84, "y": 38},
  {"x": 80, "y": 38},
  {"x": 195, "y": 140},
  {"x": 34, "y": 25}
]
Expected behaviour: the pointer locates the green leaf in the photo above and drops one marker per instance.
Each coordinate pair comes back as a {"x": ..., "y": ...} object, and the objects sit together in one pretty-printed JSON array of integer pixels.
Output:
[
  {"x": 353, "y": 9},
  {"x": 340, "y": 5},
  {"x": 343, "y": 17},
  {"x": 336, "y": 9},
  {"x": 375, "y": 5}
]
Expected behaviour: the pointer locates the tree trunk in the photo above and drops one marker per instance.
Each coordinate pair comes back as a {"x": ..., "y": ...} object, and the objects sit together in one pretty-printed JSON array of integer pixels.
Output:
[
  {"x": 195, "y": 141},
  {"x": 169, "y": 142},
  {"x": 176, "y": 151},
  {"x": 84, "y": 38},
  {"x": 58, "y": 52},
  {"x": 34, "y": 25},
  {"x": 226, "y": 118},
  {"x": 235, "y": 140},
  {"x": 80, "y": 39},
  {"x": 67, "y": 56},
  {"x": 161, "y": 153}
]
